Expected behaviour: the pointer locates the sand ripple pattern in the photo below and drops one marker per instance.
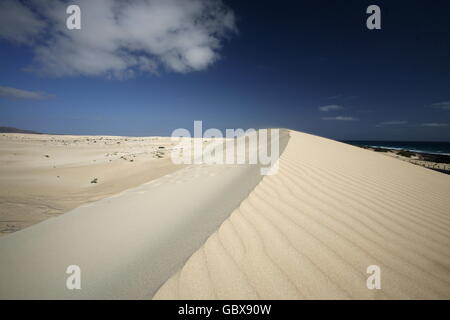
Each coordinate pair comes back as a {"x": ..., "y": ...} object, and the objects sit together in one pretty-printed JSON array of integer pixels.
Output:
[{"x": 310, "y": 232}]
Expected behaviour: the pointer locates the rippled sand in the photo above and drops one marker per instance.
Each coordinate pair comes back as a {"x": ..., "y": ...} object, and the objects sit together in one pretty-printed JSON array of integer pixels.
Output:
[{"x": 311, "y": 231}]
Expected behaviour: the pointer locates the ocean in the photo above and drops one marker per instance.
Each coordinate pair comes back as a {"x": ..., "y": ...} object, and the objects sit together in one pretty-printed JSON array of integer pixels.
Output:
[{"x": 442, "y": 148}]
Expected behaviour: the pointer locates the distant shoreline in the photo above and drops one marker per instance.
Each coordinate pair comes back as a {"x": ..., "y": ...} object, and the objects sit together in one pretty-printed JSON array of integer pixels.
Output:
[
  {"x": 422, "y": 147},
  {"x": 433, "y": 161}
]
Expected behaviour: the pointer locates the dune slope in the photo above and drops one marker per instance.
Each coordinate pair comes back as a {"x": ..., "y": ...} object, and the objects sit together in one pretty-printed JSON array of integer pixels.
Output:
[
  {"x": 43, "y": 176},
  {"x": 126, "y": 245},
  {"x": 311, "y": 231}
]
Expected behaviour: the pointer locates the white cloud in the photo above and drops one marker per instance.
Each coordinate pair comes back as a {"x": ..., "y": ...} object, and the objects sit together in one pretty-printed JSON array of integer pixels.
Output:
[
  {"x": 18, "y": 23},
  {"x": 13, "y": 93},
  {"x": 435, "y": 124},
  {"x": 341, "y": 118},
  {"x": 330, "y": 108},
  {"x": 441, "y": 105},
  {"x": 120, "y": 38},
  {"x": 392, "y": 123}
]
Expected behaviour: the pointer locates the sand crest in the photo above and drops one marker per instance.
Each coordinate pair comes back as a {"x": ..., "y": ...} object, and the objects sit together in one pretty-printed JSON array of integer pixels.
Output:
[
  {"x": 225, "y": 232},
  {"x": 128, "y": 244},
  {"x": 43, "y": 176},
  {"x": 311, "y": 231}
]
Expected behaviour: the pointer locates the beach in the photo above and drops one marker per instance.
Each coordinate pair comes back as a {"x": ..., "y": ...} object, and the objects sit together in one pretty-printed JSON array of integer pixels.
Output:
[
  {"x": 42, "y": 176},
  {"x": 209, "y": 231}
]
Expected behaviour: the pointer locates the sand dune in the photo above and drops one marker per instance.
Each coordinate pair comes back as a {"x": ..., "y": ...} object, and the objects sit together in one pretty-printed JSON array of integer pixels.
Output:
[
  {"x": 42, "y": 176},
  {"x": 225, "y": 232},
  {"x": 311, "y": 231},
  {"x": 128, "y": 244}
]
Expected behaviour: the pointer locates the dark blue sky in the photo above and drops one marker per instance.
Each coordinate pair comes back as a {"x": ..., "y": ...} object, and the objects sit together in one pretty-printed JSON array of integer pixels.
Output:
[{"x": 288, "y": 59}]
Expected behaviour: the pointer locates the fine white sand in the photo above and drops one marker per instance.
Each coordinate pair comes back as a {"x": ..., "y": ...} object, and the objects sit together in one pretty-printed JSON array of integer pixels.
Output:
[
  {"x": 128, "y": 244},
  {"x": 224, "y": 232},
  {"x": 42, "y": 176},
  {"x": 311, "y": 231}
]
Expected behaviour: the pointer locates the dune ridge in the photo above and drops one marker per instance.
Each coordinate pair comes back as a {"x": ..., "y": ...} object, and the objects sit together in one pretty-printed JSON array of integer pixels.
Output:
[
  {"x": 43, "y": 176},
  {"x": 126, "y": 245},
  {"x": 311, "y": 231}
]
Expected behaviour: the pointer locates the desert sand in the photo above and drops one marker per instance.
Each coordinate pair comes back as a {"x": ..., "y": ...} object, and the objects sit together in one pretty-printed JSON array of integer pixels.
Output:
[
  {"x": 42, "y": 176},
  {"x": 225, "y": 232},
  {"x": 311, "y": 231},
  {"x": 128, "y": 244}
]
